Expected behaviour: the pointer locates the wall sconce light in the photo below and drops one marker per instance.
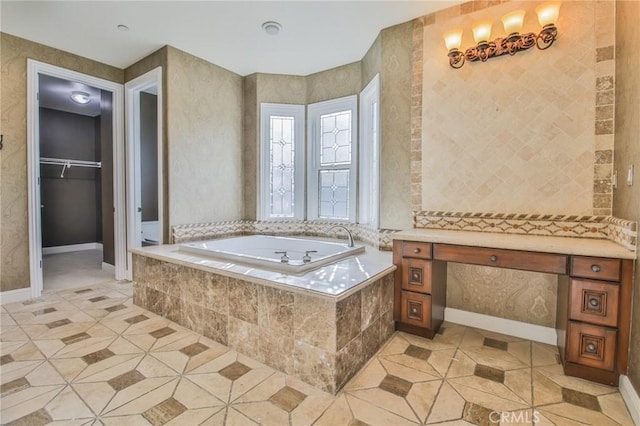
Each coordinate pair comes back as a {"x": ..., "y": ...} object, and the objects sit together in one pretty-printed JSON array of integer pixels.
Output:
[{"x": 511, "y": 44}]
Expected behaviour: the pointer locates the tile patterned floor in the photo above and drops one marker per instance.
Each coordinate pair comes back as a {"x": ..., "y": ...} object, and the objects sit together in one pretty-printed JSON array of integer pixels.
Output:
[
  {"x": 63, "y": 271},
  {"x": 89, "y": 356}
]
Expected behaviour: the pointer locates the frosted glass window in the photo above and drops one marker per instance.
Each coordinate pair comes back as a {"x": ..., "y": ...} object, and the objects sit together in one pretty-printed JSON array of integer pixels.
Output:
[
  {"x": 331, "y": 190},
  {"x": 369, "y": 160},
  {"x": 282, "y": 180},
  {"x": 282, "y": 162},
  {"x": 334, "y": 194},
  {"x": 335, "y": 135}
]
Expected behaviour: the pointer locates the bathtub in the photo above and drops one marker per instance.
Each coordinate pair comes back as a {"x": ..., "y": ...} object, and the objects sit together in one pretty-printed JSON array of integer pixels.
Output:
[{"x": 260, "y": 251}]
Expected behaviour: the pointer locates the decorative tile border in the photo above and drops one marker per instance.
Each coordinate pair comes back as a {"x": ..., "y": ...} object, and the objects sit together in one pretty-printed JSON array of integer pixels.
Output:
[
  {"x": 378, "y": 238},
  {"x": 416, "y": 110},
  {"x": 623, "y": 232},
  {"x": 203, "y": 231},
  {"x": 604, "y": 107}
]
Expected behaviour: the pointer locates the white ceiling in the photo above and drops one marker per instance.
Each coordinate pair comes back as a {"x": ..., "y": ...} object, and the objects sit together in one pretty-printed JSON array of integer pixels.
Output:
[{"x": 316, "y": 35}]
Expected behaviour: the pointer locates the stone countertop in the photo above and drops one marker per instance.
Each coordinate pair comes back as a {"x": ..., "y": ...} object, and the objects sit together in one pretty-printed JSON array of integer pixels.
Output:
[
  {"x": 336, "y": 280},
  {"x": 537, "y": 243}
]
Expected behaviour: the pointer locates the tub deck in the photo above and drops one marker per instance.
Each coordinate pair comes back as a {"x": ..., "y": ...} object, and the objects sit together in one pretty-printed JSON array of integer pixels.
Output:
[{"x": 267, "y": 251}]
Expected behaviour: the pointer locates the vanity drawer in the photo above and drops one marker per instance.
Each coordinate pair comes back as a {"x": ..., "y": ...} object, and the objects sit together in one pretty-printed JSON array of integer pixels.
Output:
[
  {"x": 514, "y": 259},
  {"x": 416, "y": 309},
  {"x": 595, "y": 302},
  {"x": 595, "y": 267},
  {"x": 416, "y": 250},
  {"x": 416, "y": 275},
  {"x": 591, "y": 345}
]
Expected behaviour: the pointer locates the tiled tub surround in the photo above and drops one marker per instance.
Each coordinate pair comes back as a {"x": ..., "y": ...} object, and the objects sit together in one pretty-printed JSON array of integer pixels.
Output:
[{"x": 318, "y": 336}]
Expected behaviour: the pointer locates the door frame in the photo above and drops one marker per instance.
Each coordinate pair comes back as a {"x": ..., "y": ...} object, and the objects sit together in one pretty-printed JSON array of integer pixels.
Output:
[
  {"x": 132, "y": 106},
  {"x": 34, "y": 68}
]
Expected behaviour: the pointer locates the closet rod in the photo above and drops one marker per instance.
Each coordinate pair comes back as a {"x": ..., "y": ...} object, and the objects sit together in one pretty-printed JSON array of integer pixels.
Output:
[{"x": 69, "y": 163}]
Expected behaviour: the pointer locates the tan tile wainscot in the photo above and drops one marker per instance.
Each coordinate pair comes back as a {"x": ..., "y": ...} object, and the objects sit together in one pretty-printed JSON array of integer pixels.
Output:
[
  {"x": 595, "y": 281},
  {"x": 321, "y": 327}
]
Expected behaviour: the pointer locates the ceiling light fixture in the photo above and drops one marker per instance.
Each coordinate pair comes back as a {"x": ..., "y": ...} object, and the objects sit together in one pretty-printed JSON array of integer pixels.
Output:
[
  {"x": 80, "y": 97},
  {"x": 271, "y": 27},
  {"x": 123, "y": 27}
]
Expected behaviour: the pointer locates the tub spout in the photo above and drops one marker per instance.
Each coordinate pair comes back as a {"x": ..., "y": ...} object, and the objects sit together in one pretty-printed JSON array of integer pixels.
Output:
[{"x": 349, "y": 235}]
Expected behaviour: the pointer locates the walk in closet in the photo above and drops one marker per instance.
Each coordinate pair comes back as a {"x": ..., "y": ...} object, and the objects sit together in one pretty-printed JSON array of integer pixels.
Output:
[{"x": 76, "y": 183}]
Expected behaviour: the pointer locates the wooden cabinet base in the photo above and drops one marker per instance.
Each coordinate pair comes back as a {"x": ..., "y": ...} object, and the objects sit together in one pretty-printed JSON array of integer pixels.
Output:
[
  {"x": 418, "y": 331},
  {"x": 593, "y": 317},
  {"x": 605, "y": 377}
]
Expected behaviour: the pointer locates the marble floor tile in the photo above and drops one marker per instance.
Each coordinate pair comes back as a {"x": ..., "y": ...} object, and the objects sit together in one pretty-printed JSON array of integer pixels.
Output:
[{"x": 88, "y": 356}]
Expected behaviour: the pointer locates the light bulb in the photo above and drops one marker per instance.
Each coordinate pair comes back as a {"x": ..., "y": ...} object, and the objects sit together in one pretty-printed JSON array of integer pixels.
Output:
[
  {"x": 453, "y": 39},
  {"x": 80, "y": 97},
  {"x": 548, "y": 13},
  {"x": 513, "y": 22},
  {"x": 482, "y": 31}
]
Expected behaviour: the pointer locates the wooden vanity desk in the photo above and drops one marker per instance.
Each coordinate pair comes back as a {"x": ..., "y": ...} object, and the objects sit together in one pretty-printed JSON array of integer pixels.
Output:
[{"x": 595, "y": 278}]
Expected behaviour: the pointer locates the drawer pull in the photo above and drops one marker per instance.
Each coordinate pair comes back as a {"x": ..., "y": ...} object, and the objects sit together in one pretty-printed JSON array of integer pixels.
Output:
[
  {"x": 595, "y": 268},
  {"x": 493, "y": 258},
  {"x": 416, "y": 250},
  {"x": 594, "y": 302},
  {"x": 591, "y": 348}
]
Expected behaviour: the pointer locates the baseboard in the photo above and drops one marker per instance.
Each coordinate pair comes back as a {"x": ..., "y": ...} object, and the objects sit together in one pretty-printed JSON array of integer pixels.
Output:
[
  {"x": 13, "y": 296},
  {"x": 71, "y": 248},
  {"x": 524, "y": 330},
  {"x": 630, "y": 397},
  {"x": 107, "y": 267}
]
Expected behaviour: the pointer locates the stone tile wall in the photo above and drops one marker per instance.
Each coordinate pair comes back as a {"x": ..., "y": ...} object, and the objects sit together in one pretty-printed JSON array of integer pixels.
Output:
[
  {"x": 541, "y": 122},
  {"x": 321, "y": 340}
]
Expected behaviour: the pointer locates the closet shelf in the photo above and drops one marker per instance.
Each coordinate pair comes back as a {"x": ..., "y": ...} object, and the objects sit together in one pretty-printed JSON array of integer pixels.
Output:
[
  {"x": 66, "y": 163},
  {"x": 69, "y": 163}
]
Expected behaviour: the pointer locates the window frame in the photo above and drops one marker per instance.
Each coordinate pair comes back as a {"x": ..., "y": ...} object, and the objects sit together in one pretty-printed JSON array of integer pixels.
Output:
[
  {"x": 268, "y": 110},
  {"x": 314, "y": 112},
  {"x": 369, "y": 161}
]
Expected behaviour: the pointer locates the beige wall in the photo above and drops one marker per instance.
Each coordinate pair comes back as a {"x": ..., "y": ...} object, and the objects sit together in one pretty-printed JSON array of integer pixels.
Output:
[
  {"x": 371, "y": 62},
  {"x": 626, "y": 199},
  {"x": 14, "y": 233},
  {"x": 517, "y": 135},
  {"x": 250, "y": 131},
  {"x": 144, "y": 65},
  {"x": 204, "y": 114},
  {"x": 334, "y": 83},
  {"x": 395, "y": 127}
]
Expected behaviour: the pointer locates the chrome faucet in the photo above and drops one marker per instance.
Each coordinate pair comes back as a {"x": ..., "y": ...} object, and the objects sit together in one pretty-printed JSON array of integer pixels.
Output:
[
  {"x": 284, "y": 258},
  {"x": 306, "y": 258},
  {"x": 349, "y": 235}
]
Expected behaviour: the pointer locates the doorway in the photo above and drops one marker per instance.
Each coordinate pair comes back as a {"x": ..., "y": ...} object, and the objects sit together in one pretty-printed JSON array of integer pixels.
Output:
[
  {"x": 75, "y": 171},
  {"x": 76, "y": 182},
  {"x": 143, "y": 104}
]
